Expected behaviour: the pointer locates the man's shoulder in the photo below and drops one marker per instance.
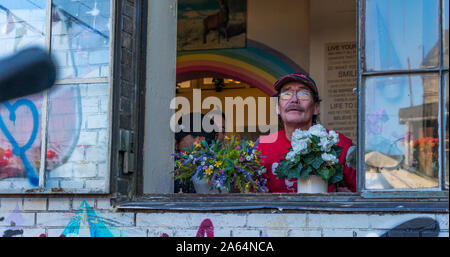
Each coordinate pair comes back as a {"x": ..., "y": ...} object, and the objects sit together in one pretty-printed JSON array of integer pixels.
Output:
[{"x": 344, "y": 141}]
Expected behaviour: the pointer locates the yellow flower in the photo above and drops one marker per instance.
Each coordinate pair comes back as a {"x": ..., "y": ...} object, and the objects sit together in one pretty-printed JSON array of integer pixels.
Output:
[
  {"x": 217, "y": 164},
  {"x": 208, "y": 171},
  {"x": 251, "y": 143},
  {"x": 226, "y": 138}
]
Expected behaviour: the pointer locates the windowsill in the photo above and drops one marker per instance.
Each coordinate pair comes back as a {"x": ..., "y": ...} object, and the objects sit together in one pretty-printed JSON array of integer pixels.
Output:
[{"x": 337, "y": 202}]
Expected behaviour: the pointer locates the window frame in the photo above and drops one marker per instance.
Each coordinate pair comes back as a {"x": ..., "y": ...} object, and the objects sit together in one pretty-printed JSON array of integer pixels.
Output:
[
  {"x": 434, "y": 201},
  {"x": 41, "y": 189},
  {"x": 441, "y": 190}
]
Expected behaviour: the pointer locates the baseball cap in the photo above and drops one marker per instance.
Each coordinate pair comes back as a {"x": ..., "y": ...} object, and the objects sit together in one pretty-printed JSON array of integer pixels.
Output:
[{"x": 300, "y": 77}]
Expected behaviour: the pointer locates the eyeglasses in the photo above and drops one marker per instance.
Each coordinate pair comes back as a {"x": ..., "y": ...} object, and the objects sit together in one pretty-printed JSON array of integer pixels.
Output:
[{"x": 301, "y": 95}]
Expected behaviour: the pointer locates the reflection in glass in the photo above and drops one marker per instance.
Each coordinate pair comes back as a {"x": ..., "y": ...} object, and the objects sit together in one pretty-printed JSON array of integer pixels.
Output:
[
  {"x": 401, "y": 131},
  {"x": 22, "y": 24},
  {"x": 77, "y": 137},
  {"x": 80, "y": 38},
  {"x": 446, "y": 127},
  {"x": 401, "y": 35},
  {"x": 445, "y": 26},
  {"x": 20, "y": 143}
]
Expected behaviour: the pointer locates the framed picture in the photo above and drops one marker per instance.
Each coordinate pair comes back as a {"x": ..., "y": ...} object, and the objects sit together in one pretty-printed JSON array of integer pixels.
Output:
[{"x": 211, "y": 24}]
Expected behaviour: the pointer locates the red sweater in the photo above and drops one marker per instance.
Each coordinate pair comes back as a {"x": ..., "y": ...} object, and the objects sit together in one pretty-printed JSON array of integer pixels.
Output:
[{"x": 273, "y": 147}]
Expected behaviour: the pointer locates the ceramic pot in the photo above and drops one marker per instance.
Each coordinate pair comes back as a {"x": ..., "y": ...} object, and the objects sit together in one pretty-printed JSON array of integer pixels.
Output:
[
  {"x": 202, "y": 187},
  {"x": 312, "y": 185}
]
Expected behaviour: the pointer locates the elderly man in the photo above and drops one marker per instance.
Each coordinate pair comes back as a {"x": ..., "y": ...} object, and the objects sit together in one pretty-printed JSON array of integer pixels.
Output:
[{"x": 298, "y": 107}]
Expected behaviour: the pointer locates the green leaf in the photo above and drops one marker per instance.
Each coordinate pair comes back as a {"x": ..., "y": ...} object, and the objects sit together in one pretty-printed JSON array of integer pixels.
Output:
[
  {"x": 309, "y": 159},
  {"x": 291, "y": 165},
  {"x": 324, "y": 173},
  {"x": 336, "y": 178},
  {"x": 317, "y": 163},
  {"x": 337, "y": 150},
  {"x": 306, "y": 171},
  {"x": 293, "y": 173},
  {"x": 299, "y": 168},
  {"x": 297, "y": 158},
  {"x": 282, "y": 170}
]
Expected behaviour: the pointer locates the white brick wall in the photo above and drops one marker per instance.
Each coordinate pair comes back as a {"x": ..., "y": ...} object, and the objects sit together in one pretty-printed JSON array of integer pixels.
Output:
[
  {"x": 53, "y": 219},
  {"x": 35, "y": 232},
  {"x": 338, "y": 221},
  {"x": 9, "y": 204},
  {"x": 277, "y": 221},
  {"x": 59, "y": 204},
  {"x": 87, "y": 138},
  {"x": 34, "y": 204},
  {"x": 243, "y": 232},
  {"x": 103, "y": 203},
  {"x": 302, "y": 232},
  {"x": 97, "y": 121},
  {"x": 50, "y": 216}
]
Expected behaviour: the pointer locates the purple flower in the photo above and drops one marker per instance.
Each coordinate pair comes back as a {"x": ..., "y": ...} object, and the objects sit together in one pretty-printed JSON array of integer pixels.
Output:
[{"x": 241, "y": 159}]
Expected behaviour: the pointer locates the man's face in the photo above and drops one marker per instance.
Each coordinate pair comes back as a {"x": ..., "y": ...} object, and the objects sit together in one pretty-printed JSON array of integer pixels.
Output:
[{"x": 297, "y": 109}]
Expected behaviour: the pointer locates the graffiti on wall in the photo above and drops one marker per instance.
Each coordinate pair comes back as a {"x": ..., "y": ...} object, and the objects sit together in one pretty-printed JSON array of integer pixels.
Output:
[
  {"x": 15, "y": 221},
  {"x": 17, "y": 150},
  {"x": 86, "y": 223},
  {"x": 20, "y": 133}
]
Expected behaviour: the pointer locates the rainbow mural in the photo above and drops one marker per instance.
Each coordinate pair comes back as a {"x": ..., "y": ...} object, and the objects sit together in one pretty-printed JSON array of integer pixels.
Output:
[{"x": 257, "y": 65}]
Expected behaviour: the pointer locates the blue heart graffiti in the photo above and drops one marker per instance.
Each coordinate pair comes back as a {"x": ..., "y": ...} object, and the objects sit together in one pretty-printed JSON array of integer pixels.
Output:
[{"x": 16, "y": 148}]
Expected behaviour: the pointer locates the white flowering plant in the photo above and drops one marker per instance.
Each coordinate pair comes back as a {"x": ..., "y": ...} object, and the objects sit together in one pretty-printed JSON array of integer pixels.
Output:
[{"x": 313, "y": 152}]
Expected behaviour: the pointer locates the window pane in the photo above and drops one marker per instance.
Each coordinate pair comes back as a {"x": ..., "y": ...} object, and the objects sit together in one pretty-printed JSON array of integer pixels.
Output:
[
  {"x": 80, "y": 38},
  {"x": 446, "y": 127},
  {"x": 22, "y": 24},
  {"x": 445, "y": 16},
  {"x": 77, "y": 137},
  {"x": 401, "y": 34},
  {"x": 20, "y": 143},
  {"x": 401, "y": 131}
]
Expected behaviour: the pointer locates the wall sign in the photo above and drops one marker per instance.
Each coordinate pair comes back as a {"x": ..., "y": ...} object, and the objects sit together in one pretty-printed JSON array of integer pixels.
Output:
[{"x": 339, "y": 103}]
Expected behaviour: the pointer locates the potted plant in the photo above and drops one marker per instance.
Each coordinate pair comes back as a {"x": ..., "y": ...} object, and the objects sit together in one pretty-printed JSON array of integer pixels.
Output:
[
  {"x": 233, "y": 165},
  {"x": 313, "y": 160}
]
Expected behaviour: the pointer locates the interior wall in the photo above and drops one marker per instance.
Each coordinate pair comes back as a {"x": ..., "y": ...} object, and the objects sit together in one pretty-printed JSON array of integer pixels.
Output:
[
  {"x": 331, "y": 21},
  {"x": 250, "y": 120},
  {"x": 282, "y": 25}
]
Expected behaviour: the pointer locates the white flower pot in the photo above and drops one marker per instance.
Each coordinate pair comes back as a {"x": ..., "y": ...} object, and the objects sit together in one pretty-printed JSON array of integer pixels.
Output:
[
  {"x": 312, "y": 185},
  {"x": 202, "y": 187}
]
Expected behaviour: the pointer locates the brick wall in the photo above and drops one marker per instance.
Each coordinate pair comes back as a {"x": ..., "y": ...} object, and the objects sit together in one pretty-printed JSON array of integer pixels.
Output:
[{"x": 32, "y": 217}]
